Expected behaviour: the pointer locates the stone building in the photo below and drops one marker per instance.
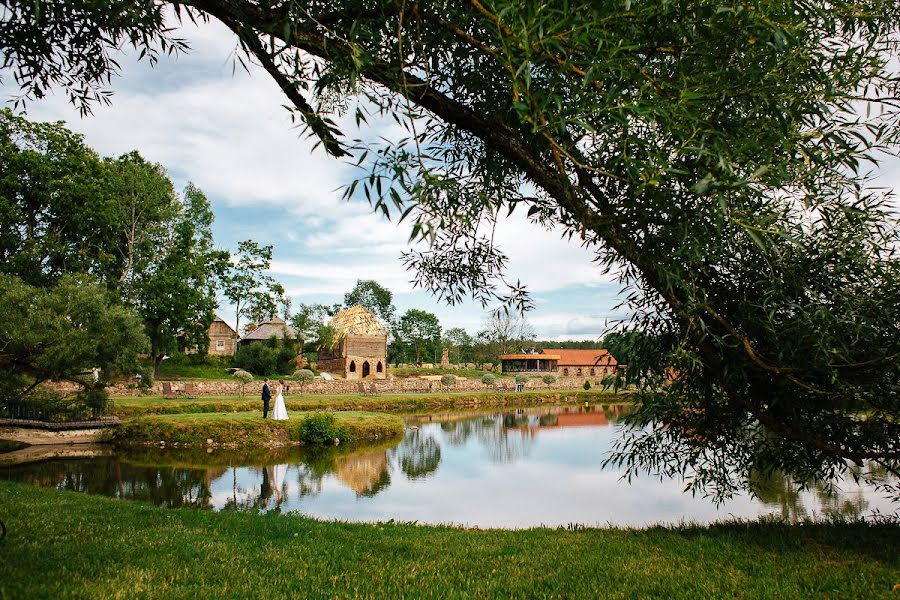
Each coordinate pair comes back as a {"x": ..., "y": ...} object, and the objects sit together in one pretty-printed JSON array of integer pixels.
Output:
[
  {"x": 360, "y": 346},
  {"x": 562, "y": 362},
  {"x": 222, "y": 338}
]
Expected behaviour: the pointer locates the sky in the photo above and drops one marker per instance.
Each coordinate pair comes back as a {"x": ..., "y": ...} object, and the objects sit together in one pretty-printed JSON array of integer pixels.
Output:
[{"x": 226, "y": 130}]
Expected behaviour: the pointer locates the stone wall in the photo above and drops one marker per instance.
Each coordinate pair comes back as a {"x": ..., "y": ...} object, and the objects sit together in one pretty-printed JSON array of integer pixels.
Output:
[{"x": 230, "y": 387}]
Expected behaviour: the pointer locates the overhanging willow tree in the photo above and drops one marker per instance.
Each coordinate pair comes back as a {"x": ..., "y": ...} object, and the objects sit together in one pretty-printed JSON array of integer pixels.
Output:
[{"x": 714, "y": 154}]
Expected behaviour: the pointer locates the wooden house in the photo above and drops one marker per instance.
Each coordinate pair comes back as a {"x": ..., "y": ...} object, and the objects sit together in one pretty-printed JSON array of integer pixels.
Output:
[{"x": 222, "y": 338}]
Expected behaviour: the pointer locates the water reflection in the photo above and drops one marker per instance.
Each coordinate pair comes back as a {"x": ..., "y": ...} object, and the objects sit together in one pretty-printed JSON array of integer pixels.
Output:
[{"x": 512, "y": 469}]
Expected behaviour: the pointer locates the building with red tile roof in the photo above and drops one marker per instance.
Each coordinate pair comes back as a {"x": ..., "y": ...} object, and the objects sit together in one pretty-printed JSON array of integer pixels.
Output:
[{"x": 562, "y": 362}]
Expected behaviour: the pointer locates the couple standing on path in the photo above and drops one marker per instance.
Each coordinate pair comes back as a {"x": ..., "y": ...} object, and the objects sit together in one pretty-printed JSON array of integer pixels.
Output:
[{"x": 280, "y": 412}]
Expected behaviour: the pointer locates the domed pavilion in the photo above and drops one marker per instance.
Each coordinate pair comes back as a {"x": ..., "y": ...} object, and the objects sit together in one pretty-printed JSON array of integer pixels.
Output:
[{"x": 359, "y": 350}]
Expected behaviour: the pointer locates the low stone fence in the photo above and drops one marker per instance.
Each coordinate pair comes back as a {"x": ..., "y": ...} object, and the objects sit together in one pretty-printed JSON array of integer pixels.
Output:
[{"x": 230, "y": 387}]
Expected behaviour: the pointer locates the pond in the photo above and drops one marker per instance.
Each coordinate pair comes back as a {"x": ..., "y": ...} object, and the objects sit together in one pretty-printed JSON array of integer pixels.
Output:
[{"x": 511, "y": 469}]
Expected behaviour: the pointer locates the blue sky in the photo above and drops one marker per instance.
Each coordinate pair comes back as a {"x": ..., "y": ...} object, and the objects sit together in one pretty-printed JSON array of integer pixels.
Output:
[{"x": 226, "y": 131}]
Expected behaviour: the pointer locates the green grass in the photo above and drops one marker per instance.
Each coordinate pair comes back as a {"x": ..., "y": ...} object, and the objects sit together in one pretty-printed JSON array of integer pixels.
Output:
[
  {"x": 67, "y": 545},
  {"x": 249, "y": 429},
  {"x": 144, "y": 405}
]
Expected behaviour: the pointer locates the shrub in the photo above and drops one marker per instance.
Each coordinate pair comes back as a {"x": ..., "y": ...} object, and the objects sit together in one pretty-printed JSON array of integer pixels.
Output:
[
  {"x": 47, "y": 405},
  {"x": 243, "y": 377},
  {"x": 587, "y": 385},
  {"x": 549, "y": 379},
  {"x": 270, "y": 357},
  {"x": 523, "y": 379},
  {"x": 487, "y": 379},
  {"x": 303, "y": 376},
  {"x": 448, "y": 380},
  {"x": 321, "y": 428}
]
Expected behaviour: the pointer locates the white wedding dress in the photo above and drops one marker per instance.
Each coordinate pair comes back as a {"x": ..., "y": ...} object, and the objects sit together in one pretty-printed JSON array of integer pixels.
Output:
[{"x": 280, "y": 412}]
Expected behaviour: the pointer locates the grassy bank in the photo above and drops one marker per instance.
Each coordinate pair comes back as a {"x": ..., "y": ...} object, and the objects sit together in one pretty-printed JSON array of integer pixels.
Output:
[
  {"x": 249, "y": 429},
  {"x": 63, "y": 544},
  {"x": 147, "y": 405}
]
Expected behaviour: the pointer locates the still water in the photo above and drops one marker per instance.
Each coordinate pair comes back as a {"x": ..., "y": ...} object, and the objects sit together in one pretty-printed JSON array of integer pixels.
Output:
[{"x": 508, "y": 469}]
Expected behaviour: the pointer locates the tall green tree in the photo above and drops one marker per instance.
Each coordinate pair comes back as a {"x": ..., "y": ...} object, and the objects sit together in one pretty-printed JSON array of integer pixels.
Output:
[
  {"x": 418, "y": 333},
  {"x": 54, "y": 195},
  {"x": 375, "y": 297},
  {"x": 458, "y": 341},
  {"x": 715, "y": 155},
  {"x": 247, "y": 286},
  {"x": 177, "y": 290}
]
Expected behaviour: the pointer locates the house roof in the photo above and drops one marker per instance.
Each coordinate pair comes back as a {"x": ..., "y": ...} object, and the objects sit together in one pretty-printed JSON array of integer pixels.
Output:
[
  {"x": 274, "y": 327},
  {"x": 542, "y": 356},
  {"x": 218, "y": 319},
  {"x": 356, "y": 320},
  {"x": 583, "y": 358}
]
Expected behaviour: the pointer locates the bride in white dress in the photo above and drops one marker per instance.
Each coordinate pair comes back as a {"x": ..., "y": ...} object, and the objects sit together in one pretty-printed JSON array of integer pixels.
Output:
[{"x": 280, "y": 412}]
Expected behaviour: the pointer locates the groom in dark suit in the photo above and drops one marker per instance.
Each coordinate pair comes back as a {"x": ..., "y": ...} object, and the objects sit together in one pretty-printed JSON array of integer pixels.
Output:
[{"x": 266, "y": 396}]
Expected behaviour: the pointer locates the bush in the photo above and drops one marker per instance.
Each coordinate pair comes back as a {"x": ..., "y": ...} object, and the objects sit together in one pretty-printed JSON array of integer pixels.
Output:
[
  {"x": 321, "y": 428},
  {"x": 487, "y": 379},
  {"x": 46, "y": 405},
  {"x": 303, "y": 376},
  {"x": 587, "y": 385},
  {"x": 549, "y": 379},
  {"x": 243, "y": 377},
  {"x": 448, "y": 380},
  {"x": 523, "y": 379},
  {"x": 271, "y": 357}
]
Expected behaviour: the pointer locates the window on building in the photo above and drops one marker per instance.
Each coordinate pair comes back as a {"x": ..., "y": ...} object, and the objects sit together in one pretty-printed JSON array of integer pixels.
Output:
[
  {"x": 566, "y": 372},
  {"x": 353, "y": 366},
  {"x": 378, "y": 367},
  {"x": 592, "y": 371},
  {"x": 220, "y": 344},
  {"x": 579, "y": 371}
]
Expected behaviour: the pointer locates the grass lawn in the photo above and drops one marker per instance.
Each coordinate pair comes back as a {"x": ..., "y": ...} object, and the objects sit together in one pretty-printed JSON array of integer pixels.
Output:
[
  {"x": 240, "y": 429},
  {"x": 67, "y": 545},
  {"x": 133, "y": 406}
]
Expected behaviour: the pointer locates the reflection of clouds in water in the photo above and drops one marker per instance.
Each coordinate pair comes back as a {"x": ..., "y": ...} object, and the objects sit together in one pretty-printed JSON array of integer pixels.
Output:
[{"x": 503, "y": 444}]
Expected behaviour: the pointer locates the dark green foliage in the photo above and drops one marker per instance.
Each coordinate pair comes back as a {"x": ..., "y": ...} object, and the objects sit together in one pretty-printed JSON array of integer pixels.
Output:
[
  {"x": 322, "y": 428},
  {"x": 61, "y": 333},
  {"x": 375, "y": 297},
  {"x": 587, "y": 385},
  {"x": 270, "y": 357},
  {"x": 448, "y": 380},
  {"x": 549, "y": 379},
  {"x": 417, "y": 337}
]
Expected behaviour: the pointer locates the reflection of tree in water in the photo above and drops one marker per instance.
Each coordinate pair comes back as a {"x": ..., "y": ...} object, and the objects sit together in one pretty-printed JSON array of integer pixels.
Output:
[
  {"x": 505, "y": 436},
  {"x": 776, "y": 490},
  {"x": 165, "y": 486},
  {"x": 456, "y": 433},
  {"x": 504, "y": 444},
  {"x": 418, "y": 455}
]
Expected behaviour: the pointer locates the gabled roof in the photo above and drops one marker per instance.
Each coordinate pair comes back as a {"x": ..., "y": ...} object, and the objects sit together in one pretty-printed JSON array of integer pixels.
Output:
[
  {"x": 274, "y": 327},
  {"x": 218, "y": 319},
  {"x": 582, "y": 358},
  {"x": 356, "y": 320}
]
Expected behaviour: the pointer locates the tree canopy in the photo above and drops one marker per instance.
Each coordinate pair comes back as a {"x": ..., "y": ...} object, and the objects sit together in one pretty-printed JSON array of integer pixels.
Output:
[
  {"x": 715, "y": 155},
  {"x": 374, "y": 296}
]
